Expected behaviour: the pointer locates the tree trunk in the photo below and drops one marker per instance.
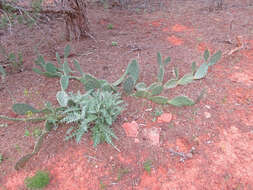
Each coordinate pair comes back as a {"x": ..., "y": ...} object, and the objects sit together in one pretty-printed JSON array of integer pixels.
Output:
[{"x": 76, "y": 20}]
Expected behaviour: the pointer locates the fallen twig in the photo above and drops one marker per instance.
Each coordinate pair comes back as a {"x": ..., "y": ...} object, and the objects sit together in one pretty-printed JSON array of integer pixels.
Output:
[
  {"x": 182, "y": 155},
  {"x": 240, "y": 45}
]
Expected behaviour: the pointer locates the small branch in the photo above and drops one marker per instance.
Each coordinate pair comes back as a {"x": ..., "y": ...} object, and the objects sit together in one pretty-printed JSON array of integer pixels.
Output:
[
  {"x": 22, "y": 161},
  {"x": 8, "y": 20},
  {"x": 239, "y": 45},
  {"x": 75, "y": 78},
  {"x": 93, "y": 158},
  {"x": 23, "y": 119},
  {"x": 182, "y": 155}
]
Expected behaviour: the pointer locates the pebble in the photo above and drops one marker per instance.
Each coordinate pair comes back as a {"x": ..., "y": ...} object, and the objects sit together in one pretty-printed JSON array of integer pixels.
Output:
[{"x": 207, "y": 115}]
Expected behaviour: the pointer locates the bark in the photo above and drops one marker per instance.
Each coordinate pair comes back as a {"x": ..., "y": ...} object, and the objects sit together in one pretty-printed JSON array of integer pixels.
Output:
[{"x": 76, "y": 20}]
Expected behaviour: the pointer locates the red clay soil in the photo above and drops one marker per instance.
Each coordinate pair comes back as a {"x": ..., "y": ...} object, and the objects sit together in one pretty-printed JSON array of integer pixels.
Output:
[{"x": 208, "y": 146}]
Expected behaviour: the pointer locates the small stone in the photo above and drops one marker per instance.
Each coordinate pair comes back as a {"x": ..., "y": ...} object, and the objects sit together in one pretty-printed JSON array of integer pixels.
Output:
[
  {"x": 207, "y": 106},
  {"x": 131, "y": 129},
  {"x": 164, "y": 118},
  {"x": 175, "y": 40},
  {"x": 179, "y": 28},
  {"x": 207, "y": 115}
]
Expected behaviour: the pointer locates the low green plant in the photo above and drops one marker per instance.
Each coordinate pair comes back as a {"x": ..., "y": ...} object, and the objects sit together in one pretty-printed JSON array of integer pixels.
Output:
[
  {"x": 1, "y": 158},
  {"x": 39, "y": 181},
  {"x": 109, "y": 26},
  {"x": 26, "y": 92},
  {"x": 13, "y": 59},
  {"x": 17, "y": 147},
  {"x": 114, "y": 43},
  {"x": 27, "y": 133},
  {"x": 37, "y": 132},
  {"x": 16, "y": 61},
  {"x": 147, "y": 165},
  {"x": 156, "y": 113},
  {"x": 2, "y": 72},
  {"x": 121, "y": 173},
  {"x": 94, "y": 110},
  {"x": 102, "y": 185}
]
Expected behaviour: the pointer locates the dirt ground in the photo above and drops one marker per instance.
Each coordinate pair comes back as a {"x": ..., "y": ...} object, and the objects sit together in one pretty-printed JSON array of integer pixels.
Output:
[{"x": 215, "y": 135}]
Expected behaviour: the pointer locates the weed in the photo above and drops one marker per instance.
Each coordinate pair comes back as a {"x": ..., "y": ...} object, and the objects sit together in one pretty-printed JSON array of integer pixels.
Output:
[
  {"x": 2, "y": 72},
  {"x": 1, "y": 158},
  {"x": 109, "y": 26},
  {"x": 157, "y": 112},
  {"x": 27, "y": 133},
  {"x": 114, "y": 43},
  {"x": 96, "y": 110},
  {"x": 39, "y": 181},
  {"x": 16, "y": 61},
  {"x": 37, "y": 132},
  {"x": 26, "y": 93},
  {"x": 224, "y": 100},
  {"x": 18, "y": 148},
  {"x": 147, "y": 165},
  {"x": 121, "y": 173},
  {"x": 102, "y": 185}
]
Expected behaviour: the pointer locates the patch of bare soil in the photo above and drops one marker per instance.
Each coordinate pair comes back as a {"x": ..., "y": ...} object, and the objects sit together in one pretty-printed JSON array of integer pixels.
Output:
[{"x": 206, "y": 146}]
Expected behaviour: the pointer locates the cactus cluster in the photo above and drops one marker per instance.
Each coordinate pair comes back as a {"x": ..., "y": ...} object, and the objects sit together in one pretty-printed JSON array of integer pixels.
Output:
[
  {"x": 153, "y": 91},
  {"x": 78, "y": 108}
]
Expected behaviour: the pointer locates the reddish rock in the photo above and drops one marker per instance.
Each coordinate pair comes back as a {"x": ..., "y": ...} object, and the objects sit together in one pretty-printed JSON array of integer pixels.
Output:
[
  {"x": 156, "y": 23},
  {"x": 179, "y": 28},
  {"x": 164, "y": 118},
  {"x": 202, "y": 46},
  {"x": 131, "y": 129},
  {"x": 175, "y": 40},
  {"x": 166, "y": 30}
]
